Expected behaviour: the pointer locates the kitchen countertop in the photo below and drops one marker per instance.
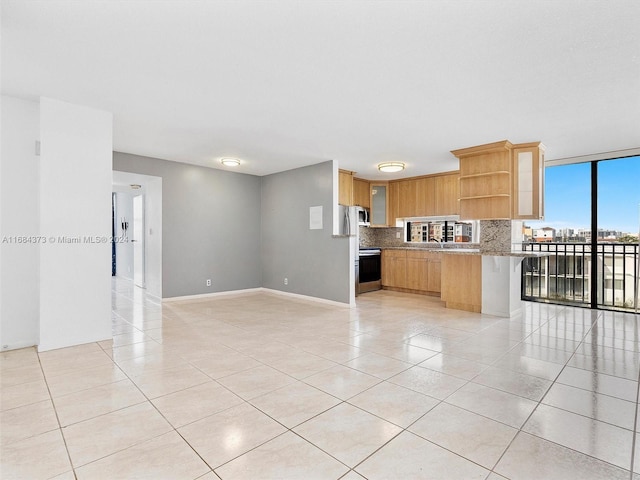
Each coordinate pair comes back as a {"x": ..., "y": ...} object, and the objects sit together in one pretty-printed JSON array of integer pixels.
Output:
[{"x": 470, "y": 251}]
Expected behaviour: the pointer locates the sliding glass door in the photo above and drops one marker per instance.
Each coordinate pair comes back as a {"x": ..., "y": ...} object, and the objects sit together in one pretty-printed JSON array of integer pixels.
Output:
[
  {"x": 618, "y": 216},
  {"x": 591, "y": 234}
]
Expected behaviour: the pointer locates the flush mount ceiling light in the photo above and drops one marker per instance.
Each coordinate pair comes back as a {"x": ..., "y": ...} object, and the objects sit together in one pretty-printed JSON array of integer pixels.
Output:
[
  {"x": 230, "y": 162},
  {"x": 391, "y": 167},
  {"x": 135, "y": 186}
]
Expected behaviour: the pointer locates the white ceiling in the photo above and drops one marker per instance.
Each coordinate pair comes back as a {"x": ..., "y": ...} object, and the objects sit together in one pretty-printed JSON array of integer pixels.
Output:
[{"x": 282, "y": 84}]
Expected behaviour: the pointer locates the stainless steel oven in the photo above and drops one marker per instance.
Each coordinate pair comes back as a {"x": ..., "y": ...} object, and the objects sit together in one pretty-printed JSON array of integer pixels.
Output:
[{"x": 369, "y": 272}]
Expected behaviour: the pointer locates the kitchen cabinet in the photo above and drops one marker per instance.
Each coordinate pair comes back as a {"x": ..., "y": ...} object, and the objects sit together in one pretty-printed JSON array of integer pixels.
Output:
[
  {"x": 528, "y": 181},
  {"x": 413, "y": 270},
  {"x": 345, "y": 187},
  {"x": 434, "y": 278},
  {"x": 407, "y": 198},
  {"x": 361, "y": 193},
  {"x": 501, "y": 181},
  {"x": 446, "y": 194},
  {"x": 426, "y": 196},
  {"x": 379, "y": 204},
  {"x": 394, "y": 268},
  {"x": 394, "y": 202},
  {"x": 462, "y": 282},
  {"x": 423, "y": 271}
]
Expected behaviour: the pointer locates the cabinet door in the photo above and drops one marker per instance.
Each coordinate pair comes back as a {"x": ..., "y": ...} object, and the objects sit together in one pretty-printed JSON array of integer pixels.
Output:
[
  {"x": 345, "y": 187},
  {"x": 417, "y": 270},
  {"x": 447, "y": 192},
  {"x": 361, "y": 193},
  {"x": 434, "y": 282},
  {"x": 407, "y": 198},
  {"x": 379, "y": 202},
  {"x": 528, "y": 181},
  {"x": 394, "y": 268},
  {"x": 394, "y": 202},
  {"x": 426, "y": 197},
  {"x": 462, "y": 282}
]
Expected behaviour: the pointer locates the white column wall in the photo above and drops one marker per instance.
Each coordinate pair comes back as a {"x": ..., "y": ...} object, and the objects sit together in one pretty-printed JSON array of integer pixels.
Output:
[
  {"x": 501, "y": 285},
  {"x": 19, "y": 217},
  {"x": 75, "y": 202}
]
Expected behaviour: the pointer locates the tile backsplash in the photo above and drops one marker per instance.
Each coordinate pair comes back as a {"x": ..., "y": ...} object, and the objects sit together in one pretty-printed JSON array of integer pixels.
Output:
[
  {"x": 381, "y": 237},
  {"x": 386, "y": 238}
]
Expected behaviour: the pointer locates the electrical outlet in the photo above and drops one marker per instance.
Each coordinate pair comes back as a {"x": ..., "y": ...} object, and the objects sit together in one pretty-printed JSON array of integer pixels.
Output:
[
  {"x": 208, "y": 282},
  {"x": 397, "y": 234},
  {"x": 286, "y": 281}
]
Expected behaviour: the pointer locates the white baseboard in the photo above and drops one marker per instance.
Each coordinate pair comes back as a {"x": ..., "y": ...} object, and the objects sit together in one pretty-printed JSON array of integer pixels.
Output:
[
  {"x": 205, "y": 296},
  {"x": 307, "y": 298},
  {"x": 17, "y": 346}
]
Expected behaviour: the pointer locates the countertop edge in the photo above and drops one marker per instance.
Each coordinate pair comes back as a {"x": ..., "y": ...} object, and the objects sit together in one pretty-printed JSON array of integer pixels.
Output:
[{"x": 459, "y": 251}]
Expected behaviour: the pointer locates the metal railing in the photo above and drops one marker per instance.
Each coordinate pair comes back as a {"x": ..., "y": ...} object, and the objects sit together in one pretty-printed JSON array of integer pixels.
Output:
[{"x": 564, "y": 276}]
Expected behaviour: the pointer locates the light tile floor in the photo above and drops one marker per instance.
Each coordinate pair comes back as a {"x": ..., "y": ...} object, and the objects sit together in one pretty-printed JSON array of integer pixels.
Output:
[{"x": 262, "y": 386}]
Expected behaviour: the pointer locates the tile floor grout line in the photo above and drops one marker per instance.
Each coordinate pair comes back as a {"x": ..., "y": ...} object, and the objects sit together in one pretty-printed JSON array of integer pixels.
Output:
[
  {"x": 147, "y": 400},
  {"x": 174, "y": 429},
  {"x": 245, "y": 401},
  {"x": 55, "y": 411},
  {"x": 635, "y": 428},
  {"x": 520, "y": 429},
  {"x": 252, "y": 331}
]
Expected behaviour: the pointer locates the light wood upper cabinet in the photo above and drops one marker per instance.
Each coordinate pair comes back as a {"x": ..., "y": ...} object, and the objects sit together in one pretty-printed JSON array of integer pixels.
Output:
[
  {"x": 424, "y": 196},
  {"x": 361, "y": 193},
  {"x": 447, "y": 194},
  {"x": 345, "y": 187},
  {"x": 426, "y": 205},
  {"x": 379, "y": 204},
  {"x": 528, "y": 181},
  {"x": 485, "y": 181},
  {"x": 407, "y": 198},
  {"x": 394, "y": 202},
  {"x": 501, "y": 181}
]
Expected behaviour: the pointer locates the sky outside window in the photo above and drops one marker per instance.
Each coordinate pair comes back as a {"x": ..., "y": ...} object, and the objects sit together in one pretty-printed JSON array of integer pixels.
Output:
[
  {"x": 568, "y": 196},
  {"x": 619, "y": 194}
]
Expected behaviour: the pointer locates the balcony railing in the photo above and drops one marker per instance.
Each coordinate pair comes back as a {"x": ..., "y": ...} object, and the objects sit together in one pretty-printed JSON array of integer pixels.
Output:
[{"x": 564, "y": 276}]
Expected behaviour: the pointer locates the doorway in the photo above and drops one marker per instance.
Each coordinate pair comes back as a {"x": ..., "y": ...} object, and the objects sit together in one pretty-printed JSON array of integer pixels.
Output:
[{"x": 138, "y": 231}]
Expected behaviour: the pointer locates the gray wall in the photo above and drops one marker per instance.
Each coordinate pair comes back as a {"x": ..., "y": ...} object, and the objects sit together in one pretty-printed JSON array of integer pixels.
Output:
[
  {"x": 210, "y": 226},
  {"x": 315, "y": 263}
]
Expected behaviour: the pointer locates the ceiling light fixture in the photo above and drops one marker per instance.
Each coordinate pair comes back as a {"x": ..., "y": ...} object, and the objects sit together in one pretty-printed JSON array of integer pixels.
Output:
[
  {"x": 230, "y": 162},
  {"x": 391, "y": 167}
]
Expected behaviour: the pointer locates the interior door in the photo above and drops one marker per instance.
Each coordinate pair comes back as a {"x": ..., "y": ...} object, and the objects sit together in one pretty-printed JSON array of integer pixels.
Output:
[{"x": 138, "y": 241}]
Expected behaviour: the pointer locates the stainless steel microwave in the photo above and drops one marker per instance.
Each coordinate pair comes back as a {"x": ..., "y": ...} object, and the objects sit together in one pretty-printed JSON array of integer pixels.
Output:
[{"x": 363, "y": 216}]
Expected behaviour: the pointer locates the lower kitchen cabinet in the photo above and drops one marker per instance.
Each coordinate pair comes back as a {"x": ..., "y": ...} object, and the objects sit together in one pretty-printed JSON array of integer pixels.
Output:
[
  {"x": 394, "y": 268},
  {"x": 434, "y": 279},
  {"x": 462, "y": 282},
  {"x": 412, "y": 270}
]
